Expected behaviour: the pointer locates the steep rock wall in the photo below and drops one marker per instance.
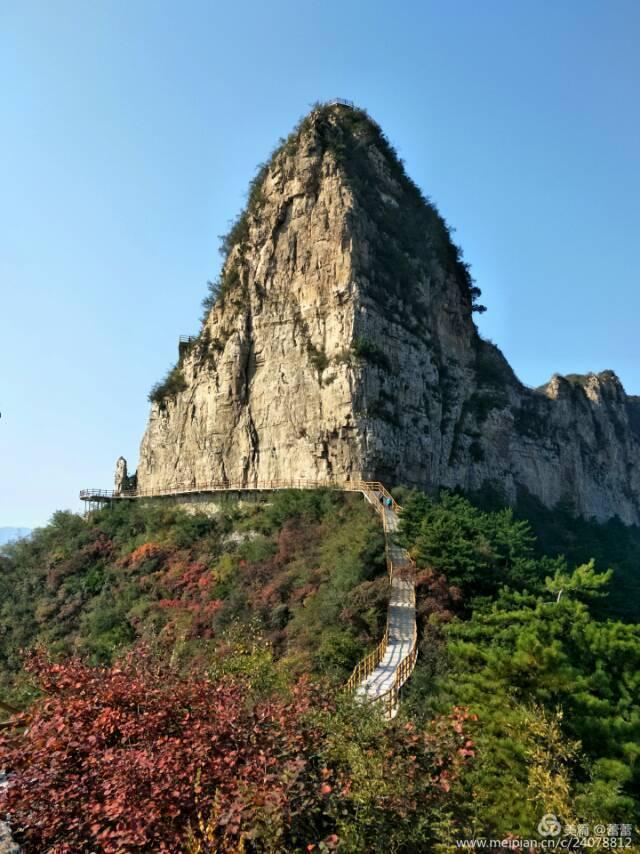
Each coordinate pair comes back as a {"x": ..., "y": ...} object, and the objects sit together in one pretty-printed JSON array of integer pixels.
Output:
[
  {"x": 268, "y": 396},
  {"x": 344, "y": 346}
]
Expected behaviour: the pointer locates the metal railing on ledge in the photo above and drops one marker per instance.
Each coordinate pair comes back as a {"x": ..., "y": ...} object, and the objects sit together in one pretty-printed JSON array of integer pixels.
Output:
[
  {"x": 342, "y": 102},
  {"x": 188, "y": 488},
  {"x": 86, "y": 494}
]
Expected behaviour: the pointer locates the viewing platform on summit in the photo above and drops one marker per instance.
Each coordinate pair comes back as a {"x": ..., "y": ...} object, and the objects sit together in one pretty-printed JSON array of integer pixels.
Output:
[{"x": 341, "y": 102}]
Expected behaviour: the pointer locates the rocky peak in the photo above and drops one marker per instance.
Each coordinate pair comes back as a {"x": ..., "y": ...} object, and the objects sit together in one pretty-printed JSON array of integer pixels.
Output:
[
  {"x": 339, "y": 342},
  {"x": 121, "y": 476}
]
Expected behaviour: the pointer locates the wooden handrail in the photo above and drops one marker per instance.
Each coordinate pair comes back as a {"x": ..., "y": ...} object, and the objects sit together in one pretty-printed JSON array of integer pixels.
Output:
[
  {"x": 391, "y": 697},
  {"x": 368, "y": 664},
  {"x": 365, "y": 667}
]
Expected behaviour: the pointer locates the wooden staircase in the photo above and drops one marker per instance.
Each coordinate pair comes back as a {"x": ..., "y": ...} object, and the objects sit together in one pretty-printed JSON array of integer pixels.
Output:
[{"x": 380, "y": 676}]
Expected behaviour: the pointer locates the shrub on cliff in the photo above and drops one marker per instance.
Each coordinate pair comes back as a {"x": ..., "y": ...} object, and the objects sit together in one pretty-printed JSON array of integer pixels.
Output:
[{"x": 169, "y": 387}]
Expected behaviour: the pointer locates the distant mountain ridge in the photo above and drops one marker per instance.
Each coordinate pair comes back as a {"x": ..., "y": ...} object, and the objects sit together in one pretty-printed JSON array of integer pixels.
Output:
[{"x": 9, "y": 534}]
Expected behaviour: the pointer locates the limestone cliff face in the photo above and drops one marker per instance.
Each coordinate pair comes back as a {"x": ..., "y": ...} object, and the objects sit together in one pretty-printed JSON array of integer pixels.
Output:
[{"x": 342, "y": 345}]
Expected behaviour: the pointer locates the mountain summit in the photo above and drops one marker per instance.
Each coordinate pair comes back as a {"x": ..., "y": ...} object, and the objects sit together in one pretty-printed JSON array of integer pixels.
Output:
[{"x": 339, "y": 343}]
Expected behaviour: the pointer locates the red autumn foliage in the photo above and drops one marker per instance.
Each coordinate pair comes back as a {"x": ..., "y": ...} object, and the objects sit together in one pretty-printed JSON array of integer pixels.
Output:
[
  {"x": 144, "y": 553},
  {"x": 294, "y": 541},
  {"x": 435, "y": 596},
  {"x": 130, "y": 757},
  {"x": 185, "y": 576},
  {"x": 98, "y": 549},
  {"x": 124, "y": 758},
  {"x": 200, "y": 618}
]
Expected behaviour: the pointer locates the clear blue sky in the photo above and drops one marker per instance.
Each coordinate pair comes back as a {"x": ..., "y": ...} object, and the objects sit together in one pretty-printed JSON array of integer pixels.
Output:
[{"x": 129, "y": 132}]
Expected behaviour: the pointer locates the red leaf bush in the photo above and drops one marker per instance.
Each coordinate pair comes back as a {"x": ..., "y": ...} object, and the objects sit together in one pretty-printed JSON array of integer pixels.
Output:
[
  {"x": 141, "y": 757},
  {"x": 125, "y": 758}
]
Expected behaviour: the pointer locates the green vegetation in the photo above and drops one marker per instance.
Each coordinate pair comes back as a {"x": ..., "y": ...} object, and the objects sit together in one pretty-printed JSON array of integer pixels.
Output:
[
  {"x": 477, "y": 451},
  {"x": 577, "y": 380},
  {"x": 385, "y": 409},
  {"x": 364, "y": 348},
  {"x": 220, "y": 289},
  {"x": 306, "y": 571},
  {"x": 239, "y": 231},
  {"x": 350, "y": 135},
  {"x": 318, "y": 359},
  {"x": 482, "y": 403},
  {"x": 492, "y": 369},
  {"x": 518, "y": 637},
  {"x": 611, "y": 544},
  {"x": 633, "y": 413},
  {"x": 477, "y": 551},
  {"x": 169, "y": 387},
  {"x": 529, "y": 419},
  {"x": 525, "y": 699},
  {"x": 494, "y": 376}
]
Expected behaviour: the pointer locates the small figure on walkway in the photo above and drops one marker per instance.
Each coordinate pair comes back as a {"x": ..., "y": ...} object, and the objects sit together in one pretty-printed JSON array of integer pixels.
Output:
[
  {"x": 389, "y": 503},
  {"x": 381, "y": 497}
]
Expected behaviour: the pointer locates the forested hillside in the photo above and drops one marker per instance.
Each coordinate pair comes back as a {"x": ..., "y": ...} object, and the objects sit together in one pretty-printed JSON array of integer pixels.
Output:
[
  {"x": 210, "y": 651},
  {"x": 521, "y": 639},
  {"x": 306, "y": 572}
]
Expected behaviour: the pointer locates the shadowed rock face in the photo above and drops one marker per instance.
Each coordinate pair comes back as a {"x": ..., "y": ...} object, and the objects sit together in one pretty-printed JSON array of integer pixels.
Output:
[{"x": 343, "y": 345}]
